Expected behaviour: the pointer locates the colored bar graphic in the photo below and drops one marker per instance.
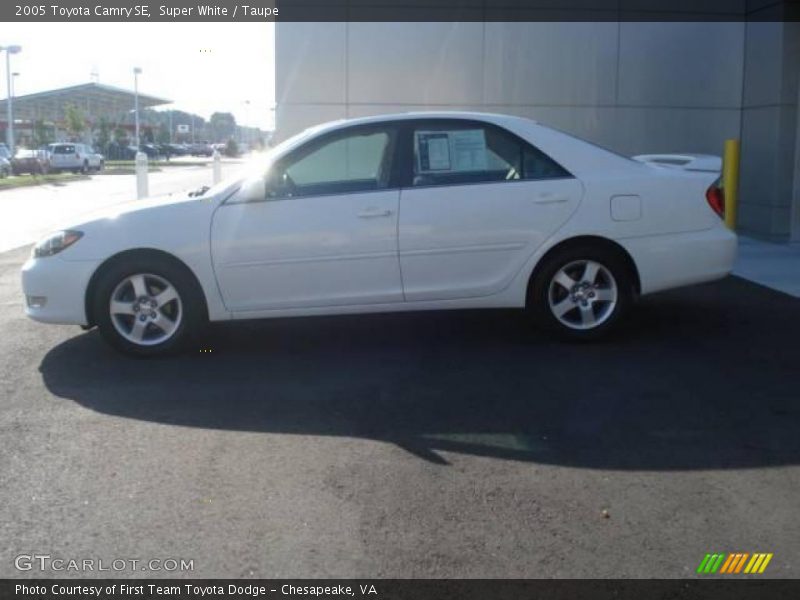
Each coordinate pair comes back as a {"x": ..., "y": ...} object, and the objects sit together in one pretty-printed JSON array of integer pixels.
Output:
[
  {"x": 727, "y": 564},
  {"x": 717, "y": 563},
  {"x": 703, "y": 563},
  {"x": 734, "y": 563},
  {"x": 741, "y": 562},
  {"x": 765, "y": 563}
]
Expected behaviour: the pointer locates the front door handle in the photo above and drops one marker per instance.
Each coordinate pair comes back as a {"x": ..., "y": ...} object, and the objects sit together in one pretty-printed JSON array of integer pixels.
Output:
[{"x": 371, "y": 213}]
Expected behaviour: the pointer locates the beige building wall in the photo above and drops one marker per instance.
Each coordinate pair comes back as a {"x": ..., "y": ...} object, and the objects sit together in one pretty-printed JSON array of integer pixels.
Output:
[{"x": 634, "y": 87}]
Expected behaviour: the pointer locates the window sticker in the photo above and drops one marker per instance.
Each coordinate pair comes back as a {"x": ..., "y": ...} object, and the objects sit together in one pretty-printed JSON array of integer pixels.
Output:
[
  {"x": 454, "y": 151},
  {"x": 433, "y": 151}
]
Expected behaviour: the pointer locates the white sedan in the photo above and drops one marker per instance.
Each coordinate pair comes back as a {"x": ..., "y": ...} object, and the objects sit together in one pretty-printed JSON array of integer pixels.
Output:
[{"x": 419, "y": 211}]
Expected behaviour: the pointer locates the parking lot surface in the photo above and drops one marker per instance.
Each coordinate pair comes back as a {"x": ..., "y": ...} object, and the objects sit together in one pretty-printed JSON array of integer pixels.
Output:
[
  {"x": 458, "y": 444},
  {"x": 29, "y": 213}
]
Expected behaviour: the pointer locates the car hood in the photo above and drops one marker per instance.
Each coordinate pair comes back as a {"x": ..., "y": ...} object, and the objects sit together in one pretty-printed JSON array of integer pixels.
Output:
[{"x": 150, "y": 207}]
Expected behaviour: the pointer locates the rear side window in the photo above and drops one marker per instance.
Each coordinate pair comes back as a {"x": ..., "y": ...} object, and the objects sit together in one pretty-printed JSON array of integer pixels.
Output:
[{"x": 456, "y": 153}]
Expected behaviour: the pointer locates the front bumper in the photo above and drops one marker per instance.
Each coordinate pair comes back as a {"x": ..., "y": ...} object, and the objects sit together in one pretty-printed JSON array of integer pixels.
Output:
[{"x": 55, "y": 289}]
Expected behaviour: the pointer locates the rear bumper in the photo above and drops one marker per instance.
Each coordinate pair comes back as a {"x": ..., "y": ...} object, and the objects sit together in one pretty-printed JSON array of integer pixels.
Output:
[
  {"x": 55, "y": 289},
  {"x": 675, "y": 260}
]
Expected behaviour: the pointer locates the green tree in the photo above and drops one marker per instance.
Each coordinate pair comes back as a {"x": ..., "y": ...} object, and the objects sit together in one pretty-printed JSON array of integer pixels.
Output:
[
  {"x": 120, "y": 136},
  {"x": 163, "y": 134},
  {"x": 231, "y": 148},
  {"x": 75, "y": 122},
  {"x": 103, "y": 135},
  {"x": 222, "y": 125},
  {"x": 42, "y": 134}
]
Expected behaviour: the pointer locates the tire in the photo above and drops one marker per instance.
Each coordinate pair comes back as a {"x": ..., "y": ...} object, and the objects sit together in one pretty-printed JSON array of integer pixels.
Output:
[
  {"x": 581, "y": 293},
  {"x": 85, "y": 167},
  {"x": 135, "y": 325},
  {"x": 101, "y": 166}
]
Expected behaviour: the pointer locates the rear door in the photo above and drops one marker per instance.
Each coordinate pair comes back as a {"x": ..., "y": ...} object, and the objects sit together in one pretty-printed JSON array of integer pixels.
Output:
[{"x": 476, "y": 203}]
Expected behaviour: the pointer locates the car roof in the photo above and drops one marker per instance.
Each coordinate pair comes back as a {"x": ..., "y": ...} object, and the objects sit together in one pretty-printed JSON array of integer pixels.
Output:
[{"x": 488, "y": 117}]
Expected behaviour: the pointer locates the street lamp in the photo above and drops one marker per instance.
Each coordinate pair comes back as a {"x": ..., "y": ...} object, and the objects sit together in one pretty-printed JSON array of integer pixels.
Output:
[
  {"x": 9, "y": 103},
  {"x": 136, "y": 72},
  {"x": 14, "y": 76}
]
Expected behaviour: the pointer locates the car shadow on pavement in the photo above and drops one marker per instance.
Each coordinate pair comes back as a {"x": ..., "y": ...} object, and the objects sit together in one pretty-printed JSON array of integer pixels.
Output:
[{"x": 699, "y": 378}]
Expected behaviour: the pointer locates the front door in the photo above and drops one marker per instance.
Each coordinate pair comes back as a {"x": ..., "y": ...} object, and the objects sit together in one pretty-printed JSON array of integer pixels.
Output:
[{"x": 324, "y": 235}]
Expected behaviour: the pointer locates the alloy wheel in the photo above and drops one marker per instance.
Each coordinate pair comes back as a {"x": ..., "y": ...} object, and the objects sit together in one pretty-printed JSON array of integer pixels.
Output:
[
  {"x": 582, "y": 294},
  {"x": 145, "y": 309}
]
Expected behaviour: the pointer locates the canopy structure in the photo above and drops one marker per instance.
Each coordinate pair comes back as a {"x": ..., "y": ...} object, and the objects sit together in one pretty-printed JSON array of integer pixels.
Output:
[{"x": 96, "y": 101}]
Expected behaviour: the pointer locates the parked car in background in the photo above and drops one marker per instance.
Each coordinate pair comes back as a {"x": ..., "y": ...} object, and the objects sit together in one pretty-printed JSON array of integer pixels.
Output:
[
  {"x": 35, "y": 162},
  {"x": 120, "y": 151},
  {"x": 418, "y": 211},
  {"x": 5, "y": 161},
  {"x": 201, "y": 149},
  {"x": 178, "y": 149},
  {"x": 151, "y": 150},
  {"x": 74, "y": 157},
  {"x": 169, "y": 150}
]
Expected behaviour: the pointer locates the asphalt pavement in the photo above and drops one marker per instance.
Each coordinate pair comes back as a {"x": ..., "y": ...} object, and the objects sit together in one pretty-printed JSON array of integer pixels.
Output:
[{"x": 459, "y": 444}]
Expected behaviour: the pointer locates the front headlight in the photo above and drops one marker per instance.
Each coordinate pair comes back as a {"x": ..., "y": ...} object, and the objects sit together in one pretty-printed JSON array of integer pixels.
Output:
[{"x": 56, "y": 243}]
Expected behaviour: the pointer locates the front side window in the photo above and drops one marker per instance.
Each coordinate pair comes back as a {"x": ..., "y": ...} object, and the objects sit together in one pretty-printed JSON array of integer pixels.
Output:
[
  {"x": 358, "y": 161},
  {"x": 463, "y": 153}
]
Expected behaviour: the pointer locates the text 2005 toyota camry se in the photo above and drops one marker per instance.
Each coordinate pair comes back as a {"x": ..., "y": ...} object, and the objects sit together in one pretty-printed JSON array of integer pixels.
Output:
[{"x": 417, "y": 211}]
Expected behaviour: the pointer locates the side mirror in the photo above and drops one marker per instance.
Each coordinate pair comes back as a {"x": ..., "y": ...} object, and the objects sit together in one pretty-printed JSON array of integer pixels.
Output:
[{"x": 254, "y": 190}]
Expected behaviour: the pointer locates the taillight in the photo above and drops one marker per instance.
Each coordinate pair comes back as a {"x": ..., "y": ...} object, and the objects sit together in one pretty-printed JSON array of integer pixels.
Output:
[{"x": 715, "y": 197}]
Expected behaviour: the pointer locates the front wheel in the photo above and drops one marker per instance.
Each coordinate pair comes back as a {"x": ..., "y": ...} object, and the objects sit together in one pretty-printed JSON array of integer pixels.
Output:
[
  {"x": 147, "y": 308},
  {"x": 581, "y": 293}
]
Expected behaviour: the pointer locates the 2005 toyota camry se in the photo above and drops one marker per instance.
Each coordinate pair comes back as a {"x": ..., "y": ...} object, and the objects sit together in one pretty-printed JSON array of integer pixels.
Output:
[{"x": 417, "y": 211}]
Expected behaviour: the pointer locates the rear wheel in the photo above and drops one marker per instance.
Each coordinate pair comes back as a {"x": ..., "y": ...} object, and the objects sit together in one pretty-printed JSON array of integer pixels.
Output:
[
  {"x": 147, "y": 307},
  {"x": 581, "y": 293}
]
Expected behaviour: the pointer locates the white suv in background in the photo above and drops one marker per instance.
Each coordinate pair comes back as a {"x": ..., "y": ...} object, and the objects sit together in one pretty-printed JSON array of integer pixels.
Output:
[{"x": 74, "y": 157}]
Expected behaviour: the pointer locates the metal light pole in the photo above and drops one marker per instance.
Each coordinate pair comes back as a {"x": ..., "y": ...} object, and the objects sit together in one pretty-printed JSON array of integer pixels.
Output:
[
  {"x": 136, "y": 72},
  {"x": 9, "y": 103},
  {"x": 248, "y": 133},
  {"x": 14, "y": 76}
]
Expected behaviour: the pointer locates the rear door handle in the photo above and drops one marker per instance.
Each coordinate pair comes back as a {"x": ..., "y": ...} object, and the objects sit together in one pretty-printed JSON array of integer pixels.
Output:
[
  {"x": 548, "y": 198},
  {"x": 371, "y": 213}
]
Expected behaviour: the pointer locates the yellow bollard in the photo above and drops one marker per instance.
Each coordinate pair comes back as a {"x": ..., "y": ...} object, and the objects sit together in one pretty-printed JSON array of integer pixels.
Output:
[{"x": 730, "y": 181}]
